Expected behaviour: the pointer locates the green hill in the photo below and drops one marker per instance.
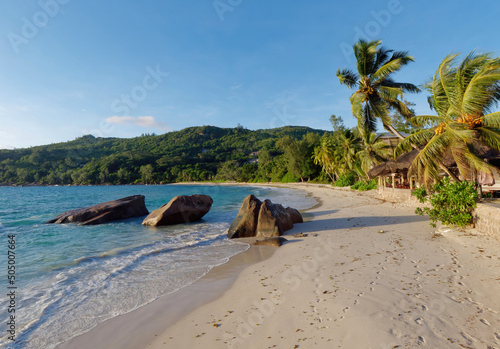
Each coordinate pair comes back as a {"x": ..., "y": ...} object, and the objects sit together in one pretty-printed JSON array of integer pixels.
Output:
[{"x": 195, "y": 153}]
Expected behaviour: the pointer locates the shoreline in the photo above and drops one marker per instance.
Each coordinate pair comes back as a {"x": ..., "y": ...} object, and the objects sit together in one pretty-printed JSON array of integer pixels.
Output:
[
  {"x": 361, "y": 272},
  {"x": 146, "y": 322}
]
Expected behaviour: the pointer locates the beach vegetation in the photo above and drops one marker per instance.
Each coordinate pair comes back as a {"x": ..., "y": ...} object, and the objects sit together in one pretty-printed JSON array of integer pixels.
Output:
[
  {"x": 345, "y": 180},
  {"x": 364, "y": 185},
  {"x": 451, "y": 203}
]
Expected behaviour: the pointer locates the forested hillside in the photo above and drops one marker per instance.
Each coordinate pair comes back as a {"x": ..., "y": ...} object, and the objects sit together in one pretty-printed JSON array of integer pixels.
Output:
[{"x": 193, "y": 154}]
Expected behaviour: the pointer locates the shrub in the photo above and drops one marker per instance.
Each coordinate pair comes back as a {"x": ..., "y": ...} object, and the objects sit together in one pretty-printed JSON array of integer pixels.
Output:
[
  {"x": 363, "y": 185},
  {"x": 289, "y": 178},
  {"x": 452, "y": 203},
  {"x": 345, "y": 180}
]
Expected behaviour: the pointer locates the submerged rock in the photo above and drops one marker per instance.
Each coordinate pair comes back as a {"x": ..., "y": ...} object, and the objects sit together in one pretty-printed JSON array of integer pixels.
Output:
[
  {"x": 131, "y": 206},
  {"x": 262, "y": 219},
  {"x": 181, "y": 209}
]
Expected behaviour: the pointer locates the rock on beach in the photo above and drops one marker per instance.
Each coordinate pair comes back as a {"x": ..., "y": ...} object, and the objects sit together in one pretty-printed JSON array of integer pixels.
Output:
[
  {"x": 181, "y": 209},
  {"x": 128, "y": 207},
  {"x": 262, "y": 219}
]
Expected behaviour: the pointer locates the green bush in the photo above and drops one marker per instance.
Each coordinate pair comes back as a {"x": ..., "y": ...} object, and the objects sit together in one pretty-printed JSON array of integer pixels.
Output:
[
  {"x": 364, "y": 186},
  {"x": 452, "y": 203},
  {"x": 345, "y": 180},
  {"x": 289, "y": 178}
]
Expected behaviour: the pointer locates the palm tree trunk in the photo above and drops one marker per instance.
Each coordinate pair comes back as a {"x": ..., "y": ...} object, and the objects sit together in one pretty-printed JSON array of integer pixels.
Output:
[{"x": 441, "y": 166}]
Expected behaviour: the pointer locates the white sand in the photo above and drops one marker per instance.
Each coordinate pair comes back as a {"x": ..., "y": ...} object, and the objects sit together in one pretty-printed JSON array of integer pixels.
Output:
[{"x": 370, "y": 274}]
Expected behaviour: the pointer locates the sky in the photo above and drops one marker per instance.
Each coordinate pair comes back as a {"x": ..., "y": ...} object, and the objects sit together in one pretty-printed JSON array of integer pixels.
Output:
[{"x": 121, "y": 68}]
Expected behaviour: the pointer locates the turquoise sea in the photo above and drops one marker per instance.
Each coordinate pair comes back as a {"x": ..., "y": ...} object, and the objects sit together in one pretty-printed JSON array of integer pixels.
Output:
[{"x": 70, "y": 278}]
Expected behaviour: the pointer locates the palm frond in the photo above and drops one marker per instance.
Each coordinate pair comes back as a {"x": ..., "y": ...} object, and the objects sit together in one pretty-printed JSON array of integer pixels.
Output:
[
  {"x": 381, "y": 58},
  {"x": 479, "y": 96},
  {"x": 419, "y": 139},
  {"x": 490, "y": 137},
  {"x": 442, "y": 85},
  {"x": 348, "y": 77},
  {"x": 427, "y": 120},
  {"x": 365, "y": 53},
  {"x": 377, "y": 108},
  {"x": 478, "y": 164},
  {"x": 389, "y": 93},
  {"x": 403, "y": 86},
  {"x": 491, "y": 120},
  {"x": 460, "y": 132},
  {"x": 391, "y": 66},
  {"x": 357, "y": 99}
]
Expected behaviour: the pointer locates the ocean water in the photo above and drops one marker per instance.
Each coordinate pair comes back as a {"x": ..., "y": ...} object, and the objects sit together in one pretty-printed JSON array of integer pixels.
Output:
[{"x": 70, "y": 278}]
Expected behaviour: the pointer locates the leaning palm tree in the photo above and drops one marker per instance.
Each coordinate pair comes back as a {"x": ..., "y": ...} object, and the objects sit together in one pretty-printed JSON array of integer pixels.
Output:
[
  {"x": 463, "y": 95},
  {"x": 377, "y": 93}
]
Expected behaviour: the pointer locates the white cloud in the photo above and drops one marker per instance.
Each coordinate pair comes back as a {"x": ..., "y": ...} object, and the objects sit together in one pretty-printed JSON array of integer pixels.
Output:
[
  {"x": 141, "y": 121},
  {"x": 236, "y": 87}
]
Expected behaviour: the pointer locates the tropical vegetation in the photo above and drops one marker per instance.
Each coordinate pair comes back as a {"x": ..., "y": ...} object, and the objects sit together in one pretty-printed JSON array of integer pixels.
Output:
[
  {"x": 452, "y": 203},
  {"x": 463, "y": 94},
  {"x": 204, "y": 153},
  {"x": 466, "y": 127}
]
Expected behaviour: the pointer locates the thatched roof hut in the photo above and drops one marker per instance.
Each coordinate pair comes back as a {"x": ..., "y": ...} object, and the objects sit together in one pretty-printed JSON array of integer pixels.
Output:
[{"x": 400, "y": 165}]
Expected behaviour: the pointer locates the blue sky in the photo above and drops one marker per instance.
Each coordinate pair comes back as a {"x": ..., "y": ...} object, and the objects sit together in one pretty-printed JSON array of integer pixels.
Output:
[{"x": 119, "y": 68}]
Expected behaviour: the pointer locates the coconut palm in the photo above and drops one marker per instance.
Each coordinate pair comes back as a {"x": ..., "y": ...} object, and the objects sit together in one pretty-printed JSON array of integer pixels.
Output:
[
  {"x": 463, "y": 95},
  {"x": 377, "y": 93},
  {"x": 324, "y": 155},
  {"x": 346, "y": 152},
  {"x": 373, "y": 151}
]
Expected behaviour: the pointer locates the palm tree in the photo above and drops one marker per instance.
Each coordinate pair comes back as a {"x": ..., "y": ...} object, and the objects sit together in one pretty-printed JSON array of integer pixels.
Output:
[
  {"x": 463, "y": 95},
  {"x": 377, "y": 92},
  {"x": 324, "y": 155},
  {"x": 346, "y": 152},
  {"x": 373, "y": 151}
]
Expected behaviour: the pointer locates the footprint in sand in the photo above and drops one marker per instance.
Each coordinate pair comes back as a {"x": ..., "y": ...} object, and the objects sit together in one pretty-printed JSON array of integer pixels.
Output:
[
  {"x": 421, "y": 340},
  {"x": 468, "y": 338},
  {"x": 395, "y": 333},
  {"x": 346, "y": 309},
  {"x": 484, "y": 321},
  {"x": 424, "y": 308}
]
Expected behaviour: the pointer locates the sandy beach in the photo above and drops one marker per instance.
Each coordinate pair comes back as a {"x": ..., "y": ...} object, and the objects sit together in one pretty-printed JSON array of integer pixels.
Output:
[{"x": 359, "y": 273}]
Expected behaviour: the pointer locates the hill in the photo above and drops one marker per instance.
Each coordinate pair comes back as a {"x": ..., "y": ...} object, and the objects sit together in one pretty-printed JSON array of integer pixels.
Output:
[{"x": 195, "y": 153}]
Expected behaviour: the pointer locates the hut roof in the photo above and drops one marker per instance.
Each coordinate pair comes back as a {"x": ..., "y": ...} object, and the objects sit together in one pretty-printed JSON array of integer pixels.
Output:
[{"x": 402, "y": 163}]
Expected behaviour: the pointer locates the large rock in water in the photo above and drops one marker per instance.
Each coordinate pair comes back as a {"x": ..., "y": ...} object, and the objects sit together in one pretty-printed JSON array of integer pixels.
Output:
[
  {"x": 262, "y": 219},
  {"x": 181, "y": 209},
  {"x": 131, "y": 206}
]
